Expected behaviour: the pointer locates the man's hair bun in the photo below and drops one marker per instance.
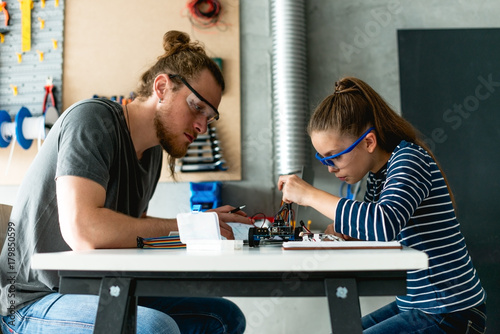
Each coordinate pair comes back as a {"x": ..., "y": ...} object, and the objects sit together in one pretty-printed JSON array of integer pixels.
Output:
[{"x": 178, "y": 41}]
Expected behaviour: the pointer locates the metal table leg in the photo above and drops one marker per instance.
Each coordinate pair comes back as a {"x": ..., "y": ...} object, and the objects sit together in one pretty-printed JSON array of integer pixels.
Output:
[
  {"x": 117, "y": 310},
  {"x": 343, "y": 302}
]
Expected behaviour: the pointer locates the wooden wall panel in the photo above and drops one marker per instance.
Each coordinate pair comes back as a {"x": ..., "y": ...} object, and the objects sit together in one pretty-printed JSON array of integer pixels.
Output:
[{"x": 109, "y": 44}]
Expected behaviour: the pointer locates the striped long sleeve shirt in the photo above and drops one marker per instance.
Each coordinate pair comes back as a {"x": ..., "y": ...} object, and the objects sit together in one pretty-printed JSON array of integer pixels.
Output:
[{"x": 408, "y": 201}]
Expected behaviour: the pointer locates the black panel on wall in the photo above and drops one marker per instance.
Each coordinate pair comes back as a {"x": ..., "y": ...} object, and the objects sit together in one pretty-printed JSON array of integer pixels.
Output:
[{"x": 450, "y": 91}]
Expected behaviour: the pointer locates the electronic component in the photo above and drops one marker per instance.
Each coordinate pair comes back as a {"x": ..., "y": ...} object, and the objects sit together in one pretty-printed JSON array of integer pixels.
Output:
[{"x": 280, "y": 230}]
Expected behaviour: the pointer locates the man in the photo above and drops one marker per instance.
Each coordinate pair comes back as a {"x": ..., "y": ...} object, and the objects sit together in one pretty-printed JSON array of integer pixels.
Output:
[{"x": 90, "y": 185}]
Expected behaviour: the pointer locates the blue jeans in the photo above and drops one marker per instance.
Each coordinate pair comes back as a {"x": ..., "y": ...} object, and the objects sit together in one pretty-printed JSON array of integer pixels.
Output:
[
  {"x": 389, "y": 319},
  {"x": 70, "y": 314}
]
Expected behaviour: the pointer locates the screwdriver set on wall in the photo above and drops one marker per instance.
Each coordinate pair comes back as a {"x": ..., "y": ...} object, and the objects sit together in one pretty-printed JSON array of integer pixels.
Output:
[{"x": 204, "y": 154}]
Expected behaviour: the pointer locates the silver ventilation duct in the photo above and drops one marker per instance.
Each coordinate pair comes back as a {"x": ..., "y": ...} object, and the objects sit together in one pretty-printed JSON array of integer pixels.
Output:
[{"x": 289, "y": 85}]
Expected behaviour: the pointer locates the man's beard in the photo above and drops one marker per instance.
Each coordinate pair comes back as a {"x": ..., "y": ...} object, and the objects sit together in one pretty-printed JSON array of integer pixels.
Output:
[{"x": 167, "y": 141}]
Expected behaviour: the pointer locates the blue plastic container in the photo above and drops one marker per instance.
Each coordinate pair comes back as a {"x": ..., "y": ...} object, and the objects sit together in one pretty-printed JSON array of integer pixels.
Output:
[{"x": 206, "y": 194}]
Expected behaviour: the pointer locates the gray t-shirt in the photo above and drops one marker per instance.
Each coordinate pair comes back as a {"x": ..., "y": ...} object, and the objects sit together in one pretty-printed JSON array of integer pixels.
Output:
[{"x": 89, "y": 140}]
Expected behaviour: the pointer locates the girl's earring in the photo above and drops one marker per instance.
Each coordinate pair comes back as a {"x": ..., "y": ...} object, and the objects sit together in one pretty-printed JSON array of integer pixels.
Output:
[{"x": 159, "y": 101}]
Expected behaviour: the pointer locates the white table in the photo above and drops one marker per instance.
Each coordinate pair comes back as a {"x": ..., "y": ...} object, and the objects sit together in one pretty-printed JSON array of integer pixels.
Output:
[{"x": 267, "y": 271}]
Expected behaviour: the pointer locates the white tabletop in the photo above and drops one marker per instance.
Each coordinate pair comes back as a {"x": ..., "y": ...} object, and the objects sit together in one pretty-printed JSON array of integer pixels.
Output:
[{"x": 263, "y": 259}]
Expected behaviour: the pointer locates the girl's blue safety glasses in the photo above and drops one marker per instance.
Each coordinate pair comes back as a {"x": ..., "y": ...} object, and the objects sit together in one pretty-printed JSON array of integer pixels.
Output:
[{"x": 327, "y": 161}]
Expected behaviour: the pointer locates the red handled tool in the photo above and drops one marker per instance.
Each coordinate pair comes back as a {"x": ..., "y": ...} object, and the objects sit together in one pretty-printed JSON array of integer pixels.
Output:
[{"x": 48, "y": 93}]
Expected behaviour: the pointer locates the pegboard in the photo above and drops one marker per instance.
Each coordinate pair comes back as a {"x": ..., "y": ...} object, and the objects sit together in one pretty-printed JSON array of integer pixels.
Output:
[{"x": 27, "y": 72}]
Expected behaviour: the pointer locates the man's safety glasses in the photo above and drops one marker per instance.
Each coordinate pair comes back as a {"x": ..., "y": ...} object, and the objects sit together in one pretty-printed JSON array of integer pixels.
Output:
[
  {"x": 210, "y": 112},
  {"x": 329, "y": 161}
]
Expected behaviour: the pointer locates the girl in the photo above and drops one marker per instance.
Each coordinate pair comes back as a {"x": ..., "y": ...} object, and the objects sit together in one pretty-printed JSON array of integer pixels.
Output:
[{"x": 407, "y": 199}]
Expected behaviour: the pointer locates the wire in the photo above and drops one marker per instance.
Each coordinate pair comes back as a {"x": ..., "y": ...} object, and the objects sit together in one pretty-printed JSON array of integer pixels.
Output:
[
  {"x": 258, "y": 214},
  {"x": 204, "y": 13},
  {"x": 264, "y": 217},
  {"x": 304, "y": 227},
  {"x": 285, "y": 212}
]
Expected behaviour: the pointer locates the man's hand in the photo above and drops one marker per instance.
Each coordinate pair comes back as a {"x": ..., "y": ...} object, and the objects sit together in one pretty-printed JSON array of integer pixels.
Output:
[{"x": 226, "y": 217}]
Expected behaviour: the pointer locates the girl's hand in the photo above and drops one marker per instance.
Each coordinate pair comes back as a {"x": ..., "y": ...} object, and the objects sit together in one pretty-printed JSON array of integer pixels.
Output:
[
  {"x": 330, "y": 230},
  {"x": 295, "y": 190}
]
